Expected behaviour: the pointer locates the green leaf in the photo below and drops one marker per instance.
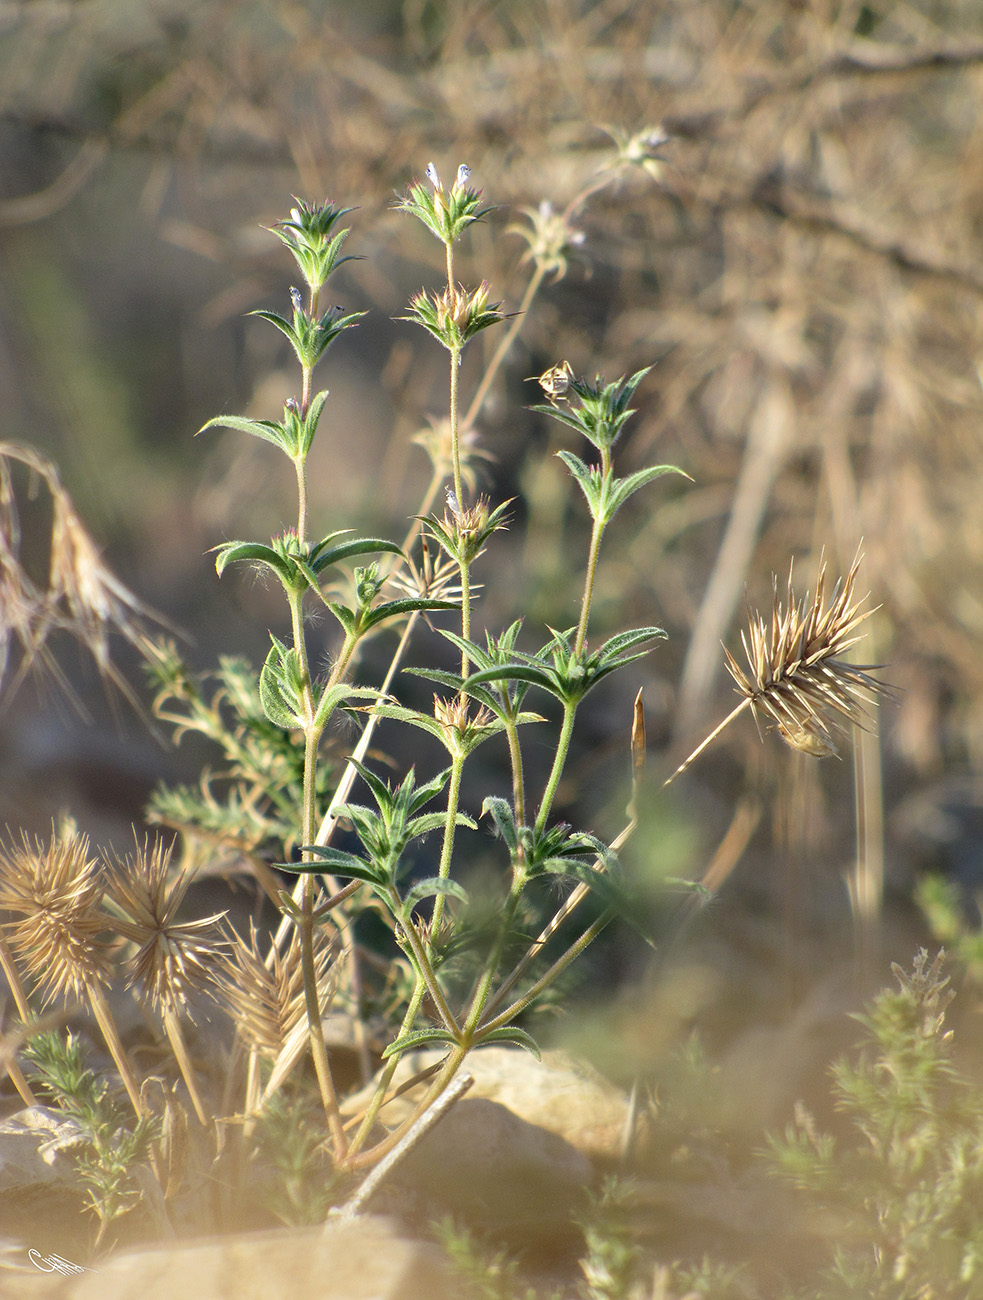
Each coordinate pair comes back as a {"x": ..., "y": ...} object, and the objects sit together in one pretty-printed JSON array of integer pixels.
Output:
[
  {"x": 431, "y": 886},
  {"x": 510, "y": 1036},
  {"x": 501, "y": 813},
  {"x": 588, "y": 479},
  {"x": 345, "y": 616},
  {"x": 285, "y": 327},
  {"x": 254, "y": 553},
  {"x": 337, "y": 863},
  {"x": 323, "y": 555},
  {"x": 268, "y": 430},
  {"x": 393, "y": 608},
  {"x": 276, "y": 695},
  {"x": 621, "y": 489},
  {"x": 337, "y": 694},
  {"x": 309, "y": 427},
  {"x": 419, "y": 1038}
]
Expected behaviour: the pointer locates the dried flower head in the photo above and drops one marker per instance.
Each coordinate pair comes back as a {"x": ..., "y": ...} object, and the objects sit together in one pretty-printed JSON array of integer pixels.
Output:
[
  {"x": 556, "y": 381},
  {"x": 640, "y": 149},
  {"x": 798, "y": 676},
  {"x": 436, "y": 441},
  {"x": 454, "y": 315},
  {"x": 456, "y": 722},
  {"x": 552, "y": 241},
  {"x": 173, "y": 959},
  {"x": 56, "y": 891}
]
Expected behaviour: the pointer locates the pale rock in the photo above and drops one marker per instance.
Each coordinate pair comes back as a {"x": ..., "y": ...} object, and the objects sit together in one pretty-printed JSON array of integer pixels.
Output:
[
  {"x": 359, "y": 1259},
  {"x": 559, "y": 1093},
  {"x": 497, "y": 1172}
]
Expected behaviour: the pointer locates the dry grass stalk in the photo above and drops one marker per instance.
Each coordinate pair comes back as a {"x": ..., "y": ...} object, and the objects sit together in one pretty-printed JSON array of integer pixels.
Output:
[
  {"x": 798, "y": 678},
  {"x": 81, "y": 596},
  {"x": 266, "y": 1000}
]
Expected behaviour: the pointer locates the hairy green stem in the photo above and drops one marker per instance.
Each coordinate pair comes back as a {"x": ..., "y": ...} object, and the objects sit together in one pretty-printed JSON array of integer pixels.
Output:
[
  {"x": 479, "y": 999},
  {"x": 386, "y": 1077},
  {"x": 447, "y": 849},
  {"x": 559, "y": 759},
  {"x": 542, "y": 984},
  {"x": 300, "y": 465},
  {"x": 424, "y": 968},
  {"x": 518, "y": 777},
  {"x": 596, "y": 537}
]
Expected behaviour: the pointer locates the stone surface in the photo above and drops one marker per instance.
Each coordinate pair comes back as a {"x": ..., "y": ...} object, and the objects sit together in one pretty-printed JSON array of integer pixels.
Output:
[
  {"x": 499, "y": 1173},
  {"x": 363, "y": 1259},
  {"x": 558, "y": 1093},
  {"x": 38, "y": 1177},
  {"x": 36, "y": 1146}
]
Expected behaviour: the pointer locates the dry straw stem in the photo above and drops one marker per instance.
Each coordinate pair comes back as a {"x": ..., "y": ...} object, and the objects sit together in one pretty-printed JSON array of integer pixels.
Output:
[
  {"x": 81, "y": 595},
  {"x": 798, "y": 677}
]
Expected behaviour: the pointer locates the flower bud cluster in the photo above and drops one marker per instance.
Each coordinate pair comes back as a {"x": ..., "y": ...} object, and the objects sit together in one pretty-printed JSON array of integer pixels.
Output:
[
  {"x": 454, "y": 315},
  {"x": 308, "y": 235},
  {"x": 446, "y": 213}
]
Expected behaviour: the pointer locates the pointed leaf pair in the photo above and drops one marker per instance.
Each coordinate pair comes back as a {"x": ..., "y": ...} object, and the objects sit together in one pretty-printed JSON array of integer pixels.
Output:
[
  {"x": 564, "y": 674},
  {"x": 606, "y": 494},
  {"x": 308, "y": 337},
  {"x": 308, "y": 237}
]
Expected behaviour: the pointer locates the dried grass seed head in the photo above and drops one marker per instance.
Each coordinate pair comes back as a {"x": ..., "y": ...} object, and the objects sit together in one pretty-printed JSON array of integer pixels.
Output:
[
  {"x": 798, "y": 677},
  {"x": 173, "y": 960},
  {"x": 266, "y": 1002},
  {"x": 56, "y": 891}
]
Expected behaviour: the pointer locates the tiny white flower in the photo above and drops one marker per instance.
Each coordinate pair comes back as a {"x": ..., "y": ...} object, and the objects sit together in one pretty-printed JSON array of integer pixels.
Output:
[
  {"x": 295, "y": 215},
  {"x": 432, "y": 176},
  {"x": 463, "y": 173},
  {"x": 297, "y": 299},
  {"x": 453, "y": 504}
]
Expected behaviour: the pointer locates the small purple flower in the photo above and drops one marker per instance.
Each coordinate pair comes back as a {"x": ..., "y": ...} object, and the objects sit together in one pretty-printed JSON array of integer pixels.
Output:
[{"x": 297, "y": 299}]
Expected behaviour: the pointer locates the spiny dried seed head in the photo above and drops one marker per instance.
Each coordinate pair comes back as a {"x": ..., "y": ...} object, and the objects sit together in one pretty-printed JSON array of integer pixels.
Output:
[
  {"x": 173, "y": 960},
  {"x": 798, "y": 677},
  {"x": 56, "y": 891}
]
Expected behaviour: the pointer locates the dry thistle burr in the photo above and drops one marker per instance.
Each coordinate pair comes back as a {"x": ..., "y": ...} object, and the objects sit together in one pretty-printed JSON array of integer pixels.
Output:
[
  {"x": 797, "y": 676},
  {"x": 60, "y": 935},
  {"x": 173, "y": 960}
]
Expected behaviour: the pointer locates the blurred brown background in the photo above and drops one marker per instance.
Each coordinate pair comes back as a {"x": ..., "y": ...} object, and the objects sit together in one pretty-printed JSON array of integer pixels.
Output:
[{"x": 803, "y": 261}]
